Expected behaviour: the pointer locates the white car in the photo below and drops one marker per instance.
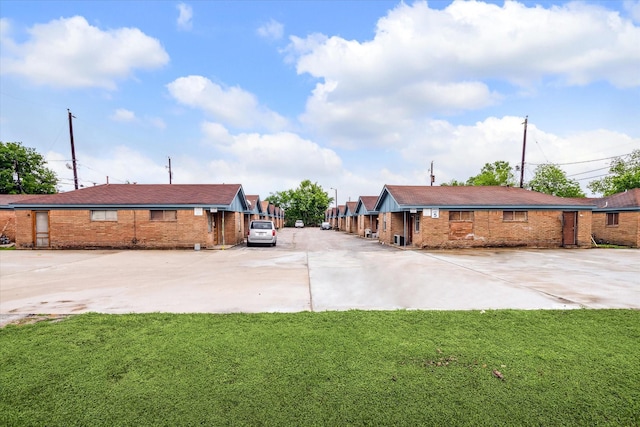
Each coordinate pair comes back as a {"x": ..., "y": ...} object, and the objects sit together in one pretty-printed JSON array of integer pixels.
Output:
[
  {"x": 262, "y": 232},
  {"x": 299, "y": 224}
]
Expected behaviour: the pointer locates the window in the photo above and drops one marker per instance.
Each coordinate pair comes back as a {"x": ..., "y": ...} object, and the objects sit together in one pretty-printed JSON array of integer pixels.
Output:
[
  {"x": 612, "y": 218},
  {"x": 104, "y": 215},
  {"x": 164, "y": 215},
  {"x": 417, "y": 223},
  {"x": 262, "y": 225},
  {"x": 514, "y": 216},
  {"x": 384, "y": 222},
  {"x": 460, "y": 215}
]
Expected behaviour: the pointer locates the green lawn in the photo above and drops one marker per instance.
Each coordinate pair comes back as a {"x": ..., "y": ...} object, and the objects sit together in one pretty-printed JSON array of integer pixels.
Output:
[{"x": 577, "y": 367}]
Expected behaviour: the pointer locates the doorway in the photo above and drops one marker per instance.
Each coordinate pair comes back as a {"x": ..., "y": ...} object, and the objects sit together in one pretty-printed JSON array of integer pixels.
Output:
[
  {"x": 569, "y": 228},
  {"x": 42, "y": 229}
]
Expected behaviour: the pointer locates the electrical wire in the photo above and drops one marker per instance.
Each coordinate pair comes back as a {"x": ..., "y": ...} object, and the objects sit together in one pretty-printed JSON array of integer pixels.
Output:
[{"x": 585, "y": 161}]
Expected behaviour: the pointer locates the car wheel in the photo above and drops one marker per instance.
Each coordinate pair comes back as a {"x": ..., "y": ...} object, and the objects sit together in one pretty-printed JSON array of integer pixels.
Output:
[
  {"x": 274, "y": 243},
  {"x": 249, "y": 244}
]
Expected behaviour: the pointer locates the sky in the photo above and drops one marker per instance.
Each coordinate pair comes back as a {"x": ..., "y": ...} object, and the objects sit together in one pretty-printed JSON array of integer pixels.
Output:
[{"x": 351, "y": 95}]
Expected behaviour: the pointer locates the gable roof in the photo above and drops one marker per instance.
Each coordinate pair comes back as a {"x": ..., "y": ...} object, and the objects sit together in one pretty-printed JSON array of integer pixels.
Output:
[
  {"x": 366, "y": 205},
  {"x": 406, "y": 196},
  {"x": 351, "y": 208},
  {"x": 627, "y": 200},
  {"x": 254, "y": 203},
  {"x": 138, "y": 195}
]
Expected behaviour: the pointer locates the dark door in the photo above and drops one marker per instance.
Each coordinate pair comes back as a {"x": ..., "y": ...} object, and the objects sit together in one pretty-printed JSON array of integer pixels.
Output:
[{"x": 569, "y": 228}]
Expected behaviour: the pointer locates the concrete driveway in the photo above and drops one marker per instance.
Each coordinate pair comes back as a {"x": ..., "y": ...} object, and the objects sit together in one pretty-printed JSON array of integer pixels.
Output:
[{"x": 315, "y": 270}]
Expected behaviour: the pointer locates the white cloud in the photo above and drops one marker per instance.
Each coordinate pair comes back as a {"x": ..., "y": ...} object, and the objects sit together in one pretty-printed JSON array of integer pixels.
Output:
[
  {"x": 123, "y": 115},
  {"x": 633, "y": 9},
  {"x": 470, "y": 40},
  {"x": 272, "y": 30},
  {"x": 459, "y": 152},
  {"x": 118, "y": 165},
  {"x": 185, "y": 18},
  {"x": 157, "y": 122},
  {"x": 424, "y": 61},
  {"x": 283, "y": 153},
  {"x": 68, "y": 52},
  {"x": 232, "y": 106}
]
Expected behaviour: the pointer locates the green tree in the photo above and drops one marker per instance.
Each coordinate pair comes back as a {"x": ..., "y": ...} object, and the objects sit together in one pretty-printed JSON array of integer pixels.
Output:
[
  {"x": 496, "y": 173},
  {"x": 452, "y": 183},
  {"x": 23, "y": 170},
  {"x": 550, "y": 179},
  {"x": 623, "y": 175},
  {"x": 308, "y": 202}
]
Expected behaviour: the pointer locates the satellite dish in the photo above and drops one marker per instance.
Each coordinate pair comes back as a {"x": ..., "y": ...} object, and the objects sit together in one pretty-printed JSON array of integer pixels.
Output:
[{"x": 68, "y": 166}]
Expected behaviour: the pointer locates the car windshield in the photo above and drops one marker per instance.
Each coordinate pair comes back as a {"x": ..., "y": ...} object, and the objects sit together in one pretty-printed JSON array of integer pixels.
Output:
[{"x": 261, "y": 225}]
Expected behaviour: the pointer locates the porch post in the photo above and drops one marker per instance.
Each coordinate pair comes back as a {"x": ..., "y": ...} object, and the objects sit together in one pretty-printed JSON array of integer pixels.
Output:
[{"x": 223, "y": 215}]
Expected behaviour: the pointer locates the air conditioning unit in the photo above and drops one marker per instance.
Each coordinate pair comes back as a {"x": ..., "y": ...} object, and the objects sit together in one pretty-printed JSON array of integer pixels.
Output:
[{"x": 398, "y": 240}]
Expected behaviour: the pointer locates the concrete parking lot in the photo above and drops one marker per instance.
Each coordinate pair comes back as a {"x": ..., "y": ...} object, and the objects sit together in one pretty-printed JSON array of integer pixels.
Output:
[{"x": 315, "y": 270}]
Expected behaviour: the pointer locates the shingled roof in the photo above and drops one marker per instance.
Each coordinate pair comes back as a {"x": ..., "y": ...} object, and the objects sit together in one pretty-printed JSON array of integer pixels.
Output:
[
  {"x": 6, "y": 199},
  {"x": 369, "y": 202},
  {"x": 254, "y": 202},
  {"x": 475, "y": 196},
  {"x": 141, "y": 194},
  {"x": 629, "y": 199}
]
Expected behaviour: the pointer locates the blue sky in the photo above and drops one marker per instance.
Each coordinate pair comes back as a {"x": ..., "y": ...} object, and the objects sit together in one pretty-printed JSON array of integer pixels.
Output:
[{"x": 352, "y": 95}]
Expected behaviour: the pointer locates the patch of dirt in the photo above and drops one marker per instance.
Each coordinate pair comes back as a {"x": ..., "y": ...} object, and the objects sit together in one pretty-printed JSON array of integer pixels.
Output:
[{"x": 29, "y": 319}]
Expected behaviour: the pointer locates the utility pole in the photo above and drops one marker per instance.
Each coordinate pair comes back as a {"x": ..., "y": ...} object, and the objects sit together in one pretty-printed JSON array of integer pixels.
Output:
[
  {"x": 73, "y": 150},
  {"x": 433, "y": 177},
  {"x": 16, "y": 176},
  {"x": 524, "y": 147},
  {"x": 336, "y": 212},
  {"x": 170, "y": 173}
]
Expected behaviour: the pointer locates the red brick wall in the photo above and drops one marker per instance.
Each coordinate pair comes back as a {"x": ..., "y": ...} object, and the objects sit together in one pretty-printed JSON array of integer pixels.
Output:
[
  {"x": 8, "y": 220},
  {"x": 366, "y": 221},
  {"x": 626, "y": 233},
  {"x": 73, "y": 229},
  {"x": 542, "y": 229}
]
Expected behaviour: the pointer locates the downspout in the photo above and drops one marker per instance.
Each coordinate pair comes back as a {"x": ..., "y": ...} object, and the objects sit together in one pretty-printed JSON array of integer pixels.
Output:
[{"x": 404, "y": 228}]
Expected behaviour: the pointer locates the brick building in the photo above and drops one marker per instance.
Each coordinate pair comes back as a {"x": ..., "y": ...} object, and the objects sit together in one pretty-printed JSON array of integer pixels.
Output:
[
  {"x": 367, "y": 216},
  {"x": 8, "y": 214},
  {"x": 133, "y": 216},
  {"x": 616, "y": 219},
  {"x": 476, "y": 216},
  {"x": 254, "y": 210},
  {"x": 350, "y": 217}
]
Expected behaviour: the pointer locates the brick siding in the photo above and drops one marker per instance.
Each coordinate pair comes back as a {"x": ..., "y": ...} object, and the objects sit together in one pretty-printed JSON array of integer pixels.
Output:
[
  {"x": 541, "y": 229},
  {"x": 74, "y": 229},
  {"x": 626, "y": 233},
  {"x": 8, "y": 223}
]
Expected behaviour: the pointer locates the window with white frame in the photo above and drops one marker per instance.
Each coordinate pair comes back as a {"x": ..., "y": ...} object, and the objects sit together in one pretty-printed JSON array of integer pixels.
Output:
[
  {"x": 416, "y": 222},
  {"x": 104, "y": 215}
]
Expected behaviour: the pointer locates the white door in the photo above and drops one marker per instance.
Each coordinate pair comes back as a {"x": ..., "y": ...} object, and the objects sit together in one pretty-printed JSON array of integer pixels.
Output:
[{"x": 42, "y": 229}]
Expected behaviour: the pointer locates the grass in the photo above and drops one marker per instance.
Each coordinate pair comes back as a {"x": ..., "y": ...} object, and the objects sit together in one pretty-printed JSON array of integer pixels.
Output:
[{"x": 577, "y": 367}]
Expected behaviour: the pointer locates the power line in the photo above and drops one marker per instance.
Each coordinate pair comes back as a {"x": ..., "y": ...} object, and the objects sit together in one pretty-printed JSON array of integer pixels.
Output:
[
  {"x": 584, "y": 161},
  {"x": 592, "y": 177},
  {"x": 589, "y": 171}
]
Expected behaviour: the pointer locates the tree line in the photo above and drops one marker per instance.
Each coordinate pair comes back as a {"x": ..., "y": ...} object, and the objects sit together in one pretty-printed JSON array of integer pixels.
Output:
[{"x": 24, "y": 171}]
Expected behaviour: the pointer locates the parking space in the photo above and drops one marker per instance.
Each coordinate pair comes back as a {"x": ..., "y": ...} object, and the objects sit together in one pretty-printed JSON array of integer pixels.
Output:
[{"x": 318, "y": 270}]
